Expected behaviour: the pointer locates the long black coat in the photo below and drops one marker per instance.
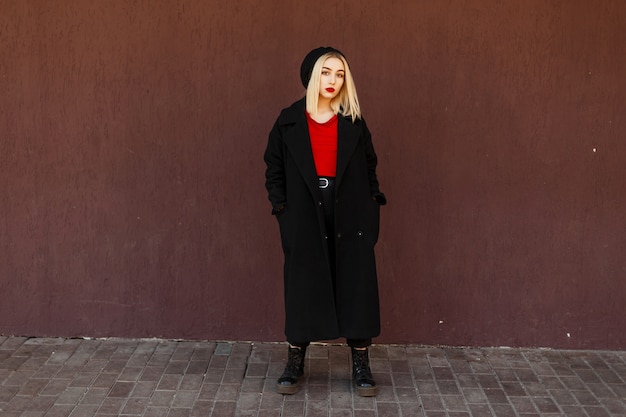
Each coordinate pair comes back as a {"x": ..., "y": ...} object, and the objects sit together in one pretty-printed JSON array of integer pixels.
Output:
[{"x": 314, "y": 309}]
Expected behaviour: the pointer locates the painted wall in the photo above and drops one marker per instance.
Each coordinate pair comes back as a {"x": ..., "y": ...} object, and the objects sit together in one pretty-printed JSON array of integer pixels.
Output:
[{"x": 131, "y": 174}]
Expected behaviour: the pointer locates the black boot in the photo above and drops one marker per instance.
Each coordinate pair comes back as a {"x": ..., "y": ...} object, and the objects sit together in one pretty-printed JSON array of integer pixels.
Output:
[
  {"x": 288, "y": 382},
  {"x": 361, "y": 373}
]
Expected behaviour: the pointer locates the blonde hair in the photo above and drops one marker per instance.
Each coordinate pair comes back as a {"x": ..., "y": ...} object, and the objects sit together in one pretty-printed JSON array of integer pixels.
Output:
[{"x": 346, "y": 103}]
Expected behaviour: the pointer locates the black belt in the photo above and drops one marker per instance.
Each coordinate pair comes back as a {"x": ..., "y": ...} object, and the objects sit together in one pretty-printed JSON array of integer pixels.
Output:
[{"x": 326, "y": 182}]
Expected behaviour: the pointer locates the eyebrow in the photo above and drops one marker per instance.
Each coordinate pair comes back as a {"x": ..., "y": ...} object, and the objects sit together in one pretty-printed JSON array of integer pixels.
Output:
[{"x": 330, "y": 69}]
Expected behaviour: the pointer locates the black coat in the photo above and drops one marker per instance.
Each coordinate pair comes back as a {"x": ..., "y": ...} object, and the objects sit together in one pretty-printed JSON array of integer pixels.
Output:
[{"x": 314, "y": 309}]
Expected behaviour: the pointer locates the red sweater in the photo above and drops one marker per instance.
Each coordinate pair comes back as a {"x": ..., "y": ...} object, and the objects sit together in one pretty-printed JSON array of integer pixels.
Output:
[{"x": 324, "y": 145}]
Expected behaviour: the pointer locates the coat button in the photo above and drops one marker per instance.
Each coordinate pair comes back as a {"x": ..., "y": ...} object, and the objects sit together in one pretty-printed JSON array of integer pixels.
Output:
[
  {"x": 359, "y": 233},
  {"x": 325, "y": 236},
  {"x": 338, "y": 235},
  {"x": 319, "y": 203}
]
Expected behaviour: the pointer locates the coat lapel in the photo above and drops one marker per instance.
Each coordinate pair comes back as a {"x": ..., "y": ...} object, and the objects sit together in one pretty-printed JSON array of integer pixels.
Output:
[
  {"x": 348, "y": 138},
  {"x": 299, "y": 144}
]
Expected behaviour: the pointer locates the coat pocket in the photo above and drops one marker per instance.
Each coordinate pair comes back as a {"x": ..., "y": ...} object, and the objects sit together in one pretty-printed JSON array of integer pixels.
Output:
[
  {"x": 284, "y": 227},
  {"x": 374, "y": 220}
]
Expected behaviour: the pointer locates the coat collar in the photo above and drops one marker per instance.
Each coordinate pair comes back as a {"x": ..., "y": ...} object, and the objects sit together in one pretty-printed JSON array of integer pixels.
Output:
[{"x": 299, "y": 143}]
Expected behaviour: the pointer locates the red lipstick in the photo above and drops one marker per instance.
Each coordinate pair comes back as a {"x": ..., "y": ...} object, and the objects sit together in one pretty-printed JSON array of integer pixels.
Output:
[{"x": 330, "y": 90}]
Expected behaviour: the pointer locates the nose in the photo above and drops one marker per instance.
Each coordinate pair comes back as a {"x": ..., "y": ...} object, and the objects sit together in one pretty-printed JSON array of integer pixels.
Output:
[{"x": 332, "y": 79}]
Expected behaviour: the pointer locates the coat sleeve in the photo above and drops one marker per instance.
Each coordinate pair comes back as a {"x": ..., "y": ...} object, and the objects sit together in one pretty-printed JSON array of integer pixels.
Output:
[
  {"x": 275, "y": 170},
  {"x": 372, "y": 161}
]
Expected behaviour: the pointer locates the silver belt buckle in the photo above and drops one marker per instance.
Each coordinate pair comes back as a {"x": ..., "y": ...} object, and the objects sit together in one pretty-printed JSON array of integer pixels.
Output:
[{"x": 324, "y": 182}]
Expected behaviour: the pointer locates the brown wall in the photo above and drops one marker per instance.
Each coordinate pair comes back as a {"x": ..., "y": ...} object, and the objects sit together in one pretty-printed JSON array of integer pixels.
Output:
[{"x": 131, "y": 143}]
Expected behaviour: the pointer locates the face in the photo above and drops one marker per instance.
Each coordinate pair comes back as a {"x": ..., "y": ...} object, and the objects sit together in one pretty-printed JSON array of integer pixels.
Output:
[{"x": 332, "y": 78}]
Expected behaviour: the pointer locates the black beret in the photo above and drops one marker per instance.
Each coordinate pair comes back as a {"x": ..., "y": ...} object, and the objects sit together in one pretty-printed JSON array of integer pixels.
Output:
[{"x": 309, "y": 61}]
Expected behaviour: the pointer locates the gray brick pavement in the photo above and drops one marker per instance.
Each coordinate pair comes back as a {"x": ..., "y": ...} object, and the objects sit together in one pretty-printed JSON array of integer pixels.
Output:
[{"x": 154, "y": 378}]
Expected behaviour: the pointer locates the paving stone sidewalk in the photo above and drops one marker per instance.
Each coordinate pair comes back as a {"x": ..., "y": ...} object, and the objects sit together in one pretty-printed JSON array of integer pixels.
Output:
[{"x": 161, "y": 378}]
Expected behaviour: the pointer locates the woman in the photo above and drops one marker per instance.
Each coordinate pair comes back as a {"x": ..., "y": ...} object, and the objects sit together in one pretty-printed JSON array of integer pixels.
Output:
[{"x": 321, "y": 181}]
